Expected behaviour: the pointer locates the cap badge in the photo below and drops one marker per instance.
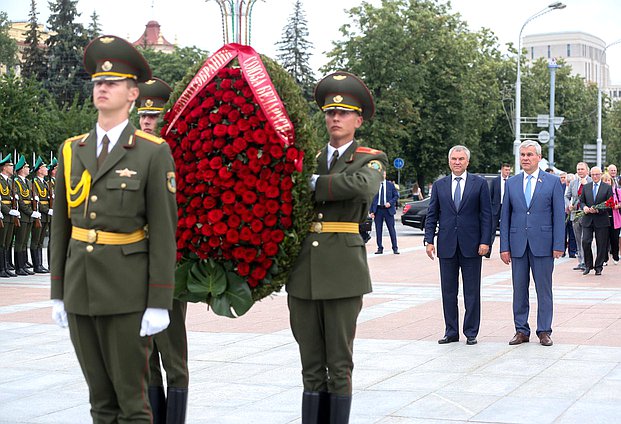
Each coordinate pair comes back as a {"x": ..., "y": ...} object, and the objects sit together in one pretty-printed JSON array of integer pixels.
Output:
[
  {"x": 106, "y": 40},
  {"x": 337, "y": 99},
  {"x": 339, "y": 77},
  {"x": 106, "y": 66},
  {"x": 148, "y": 103}
]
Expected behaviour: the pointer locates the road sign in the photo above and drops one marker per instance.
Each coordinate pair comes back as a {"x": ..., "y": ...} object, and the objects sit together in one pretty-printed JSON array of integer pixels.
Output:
[
  {"x": 398, "y": 163},
  {"x": 543, "y": 137},
  {"x": 589, "y": 153},
  {"x": 543, "y": 121},
  {"x": 558, "y": 120}
]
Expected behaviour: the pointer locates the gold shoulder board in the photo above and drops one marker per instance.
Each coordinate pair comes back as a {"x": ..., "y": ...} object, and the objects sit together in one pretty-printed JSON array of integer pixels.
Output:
[
  {"x": 368, "y": 150},
  {"x": 76, "y": 138},
  {"x": 150, "y": 137}
]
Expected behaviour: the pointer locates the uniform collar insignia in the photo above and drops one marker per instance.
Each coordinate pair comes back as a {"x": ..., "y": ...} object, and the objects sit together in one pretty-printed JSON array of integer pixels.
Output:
[{"x": 125, "y": 173}]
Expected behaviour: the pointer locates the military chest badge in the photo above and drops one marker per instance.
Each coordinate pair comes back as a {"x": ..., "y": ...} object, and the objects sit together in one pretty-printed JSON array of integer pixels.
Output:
[{"x": 125, "y": 172}]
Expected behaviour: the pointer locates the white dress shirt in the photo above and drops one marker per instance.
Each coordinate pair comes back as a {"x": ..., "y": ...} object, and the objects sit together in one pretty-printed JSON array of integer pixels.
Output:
[
  {"x": 113, "y": 135},
  {"x": 462, "y": 184}
]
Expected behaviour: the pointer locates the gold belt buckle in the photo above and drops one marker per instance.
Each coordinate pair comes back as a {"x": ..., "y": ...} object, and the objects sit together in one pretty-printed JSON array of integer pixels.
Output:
[
  {"x": 92, "y": 236},
  {"x": 317, "y": 227}
]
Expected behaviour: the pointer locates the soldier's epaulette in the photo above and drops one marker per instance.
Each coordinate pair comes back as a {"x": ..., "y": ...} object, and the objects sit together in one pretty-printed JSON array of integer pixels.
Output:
[
  {"x": 150, "y": 137},
  {"x": 368, "y": 150},
  {"x": 76, "y": 138}
]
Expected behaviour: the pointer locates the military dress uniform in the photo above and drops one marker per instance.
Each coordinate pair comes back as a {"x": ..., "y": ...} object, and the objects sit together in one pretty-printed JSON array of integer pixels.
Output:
[
  {"x": 41, "y": 192},
  {"x": 51, "y": 183},
  {"x": 6, "y": 230},
  {"x": 331, "y": 274},
  {"x": 23, "y": 193},
  {"x": 171, "y": 345},
  {"x": 113, "y": 256}
]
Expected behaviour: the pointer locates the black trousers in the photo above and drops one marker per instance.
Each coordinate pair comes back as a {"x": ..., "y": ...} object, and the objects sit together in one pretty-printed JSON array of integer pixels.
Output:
[{"x": 602, "y": 237}]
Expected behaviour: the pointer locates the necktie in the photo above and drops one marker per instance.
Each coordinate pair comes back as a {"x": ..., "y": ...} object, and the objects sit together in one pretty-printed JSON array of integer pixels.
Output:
[
  {"x": 382, "y": 196},
  {"x": 528, "y": 192},
  {"x": 104, "y": 151},
  {"x": 594, "y": 191},
  {"x": 335, "y": 157},
  {"x": 457, "y": 195}
]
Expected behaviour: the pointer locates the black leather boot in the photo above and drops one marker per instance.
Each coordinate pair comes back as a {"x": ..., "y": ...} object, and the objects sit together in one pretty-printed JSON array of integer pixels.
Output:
[
  {"x": 3, "y": 273},
  {"x": 176, "y": 405},
  {"x": 157, "y": 399},
  {"x": 340, "y": 406},
  {"x": 40, "y": 254},
  {"x": 310, "y": 407},
  {"x": 19, "y": 265},
  {"x": 38, "y": 262},
  {"x": 6, "y": 264},
  {"x": 324, "y": 408},
  {"x": 24, "y": 262}
]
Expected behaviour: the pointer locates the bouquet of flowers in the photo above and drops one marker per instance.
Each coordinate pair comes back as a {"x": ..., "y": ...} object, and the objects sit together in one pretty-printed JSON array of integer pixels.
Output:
[
  {"x": 244, "y": 205},
  {"x": 608, "y": 204}
]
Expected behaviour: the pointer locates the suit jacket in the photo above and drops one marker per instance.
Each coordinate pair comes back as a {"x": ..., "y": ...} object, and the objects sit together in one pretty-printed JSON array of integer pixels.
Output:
[
  {"x": 392, "y": 196},
  {"x": 599, "y": 219},
  {"x": 542, "y": 225},
  {"x": 495, "y": 191},
  {"x": 571, "y": 195},
  {"x": 97, "y": 279},
  {"x": 334, "y": 265},
  {"x": 468, "y": 227}
]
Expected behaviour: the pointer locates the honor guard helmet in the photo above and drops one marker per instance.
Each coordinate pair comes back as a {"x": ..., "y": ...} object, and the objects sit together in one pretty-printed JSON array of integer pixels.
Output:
[
  {"x": 154, "y": 94},
  {"x": 112, "y": 58},
  {"x": 344, "y": 91}
]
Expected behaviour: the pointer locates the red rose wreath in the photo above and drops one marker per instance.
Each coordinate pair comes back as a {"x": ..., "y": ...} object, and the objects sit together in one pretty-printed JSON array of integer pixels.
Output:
[{"x": 242, "y": 191}]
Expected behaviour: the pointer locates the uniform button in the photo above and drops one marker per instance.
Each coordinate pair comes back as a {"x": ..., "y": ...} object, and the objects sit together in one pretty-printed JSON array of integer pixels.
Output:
[
  {"x": 89, "y": 248},
  {"x": 93, "y": 215},
  {"x": 93, "y": 198},
  {"x": 123, "y": 185},
  {"x": 319, "y": 215},
  {"x": 315, "y": 243},
  {"x": 527, "y": 213}
]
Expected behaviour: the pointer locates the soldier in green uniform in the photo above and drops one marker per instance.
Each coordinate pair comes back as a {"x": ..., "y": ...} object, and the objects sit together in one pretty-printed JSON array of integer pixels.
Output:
[
  {"x": 7, "y": 214},
  {"x": 171, "y": 345},
  {"x": 331, "y": 273},
  {"x": 23, "y": 193},
  {"x": 41, "y": 196},
  {"x": 51, "y": 183},
  {"x": 113, "y": 256}
]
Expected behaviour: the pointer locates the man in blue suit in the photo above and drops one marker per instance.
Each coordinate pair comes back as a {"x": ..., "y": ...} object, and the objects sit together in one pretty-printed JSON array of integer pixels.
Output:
[
  {"x": 496, "y": 191},
  {"x": 461, "y": 208},
  {"x": 383, "y": 209},
  {"x": 532, "y": 235}
]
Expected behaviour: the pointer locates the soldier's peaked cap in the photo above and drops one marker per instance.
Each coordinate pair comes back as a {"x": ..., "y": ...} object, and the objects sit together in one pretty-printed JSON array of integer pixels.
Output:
[
  {"x": 7, "y": 160},
  {"x": 20, "y": 163},
  {"x": 38, "y": 164},
  {"x": 112, "y": 58},
  {"x": 153, "y": 96},
  {"x": 345, "y": 91}
]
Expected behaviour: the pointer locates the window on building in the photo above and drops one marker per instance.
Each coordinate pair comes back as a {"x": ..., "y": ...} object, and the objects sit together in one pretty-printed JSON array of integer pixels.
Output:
[
  {"x": 549, "y": 52},
  {"x": 568, "y": 50},
  {"x": 532, "y": 53}
]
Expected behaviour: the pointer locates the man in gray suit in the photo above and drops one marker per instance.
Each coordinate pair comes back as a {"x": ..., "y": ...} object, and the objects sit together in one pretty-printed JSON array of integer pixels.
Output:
[{"x": 572, "y": 205}]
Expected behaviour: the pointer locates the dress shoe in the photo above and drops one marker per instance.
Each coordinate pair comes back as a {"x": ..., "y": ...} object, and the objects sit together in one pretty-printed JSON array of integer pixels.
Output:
[
  {"x": 598, "y": 272},
  {"x": 519, "y": 338},
  {"x": 605, "y": 263},
  {"x": 396, "y": 252},
  {"x": 446, "y": 339},
  {"x": 572, "y": 255},
  {"x": 563, "y": 255},
  {"x": 471, "y": 341},
  {"x": 586, "y": 271},
  {"x": 580, "y": 267},
  {"x": 544, "y": 339},
  {"x": 379, "y": 251}
]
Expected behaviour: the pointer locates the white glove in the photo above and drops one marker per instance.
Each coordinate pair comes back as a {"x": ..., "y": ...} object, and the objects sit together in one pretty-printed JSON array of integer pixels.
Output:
[
  {"x": 50, "y": 212},
  {"x": 154, "y": 320},
  {"x": 1, "y": 216},
  {"x": 59, "y": 315},
  {"x": 36, "y": 215},
  {"x": 14, "y": 212},
  {"x": 313, "y": 181}
]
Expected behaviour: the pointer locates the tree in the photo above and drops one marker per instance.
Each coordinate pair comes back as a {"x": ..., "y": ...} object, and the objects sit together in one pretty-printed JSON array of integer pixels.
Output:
[
  {"x": 172, "y": 67},
  {"x": 294, "y": 50},
  {"x": 94, "y": 29},
  {"x": 434, "y": 81},
  {"x": 8, "y": 46},
  {"x": 66, "y": 77},
  {"x": 33, "y": 65}
]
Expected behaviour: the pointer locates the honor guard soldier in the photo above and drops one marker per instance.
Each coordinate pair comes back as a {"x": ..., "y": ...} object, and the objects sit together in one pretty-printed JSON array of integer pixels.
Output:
[
  {"x": 41, "y": 203},
  {"x": 23, "y": 193},
  {"x": 7, "y": 214},
  {"x": 331, "y": 273},
  {"x": 51, "y": 183},
  {"x": 171, "y": 345},
  {"x": 113, "y": 255}
]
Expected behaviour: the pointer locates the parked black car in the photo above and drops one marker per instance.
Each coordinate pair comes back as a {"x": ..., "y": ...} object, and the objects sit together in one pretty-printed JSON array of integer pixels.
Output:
[{"x": 415, "y": 213}]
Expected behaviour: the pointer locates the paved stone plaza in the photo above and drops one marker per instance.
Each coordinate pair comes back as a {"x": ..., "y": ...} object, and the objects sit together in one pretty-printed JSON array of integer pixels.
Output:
[{"x": 247, "y": 370}]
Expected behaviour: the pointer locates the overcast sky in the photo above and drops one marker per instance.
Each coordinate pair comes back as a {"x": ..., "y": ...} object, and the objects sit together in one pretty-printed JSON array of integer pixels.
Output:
[{"x": 198, "y": 22}]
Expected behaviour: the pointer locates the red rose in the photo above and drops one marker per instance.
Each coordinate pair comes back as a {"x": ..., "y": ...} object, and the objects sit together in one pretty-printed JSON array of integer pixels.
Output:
[
  {"x": 233, "y": 116},
  {"x": 239, "y": 101},
  {"x": 209, "y": 202},
  {"x": 232, "y": 236},
  {"x": 270, "y": 220},
  {"x": 250, "y": 181},
  {"x": 239, "y": 144},
  {"x": 220, "y": 130},
  {"x": 219, "y": 143},
  {"x": 262, "y": 186},
  {"x": 243, "y": 269},
  {"x": 247, "y": 92},
  {"x": 286, "y": 222},
  {"x": 286, "y": 196},
  {"x": 239, "y": 84},
  {"x": 228, "y": 96},
  {"x": 276, "y": 151},
  {"x": 278, "y": 236},
  {"x": 270, "y": 249},
  {"x": 286, "y": 208},
  {"x": 225, "y": 109},
  {"x": 229, "y": 151},
  {"x": 272, "y": 192},
  {"x": 243, "y": 124},
  {"x": 215, "y": 163},
  {"x": 208, "y": 103},
  {"x": 226, "y": 84},
  {"x": 249, "y": 254},
  {"x": 256, "y": 226},
  {"x": 234, "y": 221},
  {"x": 214, "y": 241},
  {"x": 224, "y": 173},
  {"x": 220, "y": 228},
  {"x": 255, "y": 240},
  {"x": 253, "y": 120},
  {"x": 259, "y": 273},
  {"x": 258, "y": 210},
  {"x": 249, "y": 197},
  {"x": 211, "y": 88},
  {"x": 215, "y": 118},
  {"x": 215, "y": 215},
  {"x": 259, "y": 136},
  {"x": 228, "y": 197},
  {"x": 245, "y": 234},
  {"x": 272, "y": 206},
  {"x": 233, "y": 131},
  {"x": 252, "y": 153}
]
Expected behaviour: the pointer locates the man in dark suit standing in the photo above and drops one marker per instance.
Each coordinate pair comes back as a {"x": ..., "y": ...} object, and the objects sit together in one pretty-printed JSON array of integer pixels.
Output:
[
  {"x": 595, "y": 221},
  {"x": 532, "y": 235},
  {"x": 383, "y": 209},
  {"x": 496, "y": 191},
  {"x": 460, "y": 204}
]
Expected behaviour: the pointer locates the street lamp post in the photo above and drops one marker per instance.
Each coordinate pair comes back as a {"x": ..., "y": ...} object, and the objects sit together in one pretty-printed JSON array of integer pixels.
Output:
[
  {"x": 599, "y": 106},
  {"x": 518, "y": 83}
]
